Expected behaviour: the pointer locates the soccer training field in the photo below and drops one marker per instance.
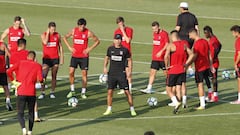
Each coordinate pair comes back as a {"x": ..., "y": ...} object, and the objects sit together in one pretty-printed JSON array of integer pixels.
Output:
[{"x": 86, "y": 119}]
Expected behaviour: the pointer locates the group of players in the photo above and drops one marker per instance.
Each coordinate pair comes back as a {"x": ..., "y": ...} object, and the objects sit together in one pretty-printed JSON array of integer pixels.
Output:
[{"x": 173, "y": 57}]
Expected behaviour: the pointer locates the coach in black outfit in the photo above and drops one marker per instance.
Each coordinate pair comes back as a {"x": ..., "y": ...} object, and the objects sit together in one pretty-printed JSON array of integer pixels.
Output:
[{"x": 185, "y": 22}]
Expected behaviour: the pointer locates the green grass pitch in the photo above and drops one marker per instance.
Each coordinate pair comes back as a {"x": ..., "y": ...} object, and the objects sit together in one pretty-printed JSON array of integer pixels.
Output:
[{"x": 87, "y": 119}]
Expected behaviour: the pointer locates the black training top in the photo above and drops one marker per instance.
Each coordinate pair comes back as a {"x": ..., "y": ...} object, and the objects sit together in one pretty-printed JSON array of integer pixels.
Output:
[
  {"x": 118, "y": 58},
  {"x": 186, "y": 21}
]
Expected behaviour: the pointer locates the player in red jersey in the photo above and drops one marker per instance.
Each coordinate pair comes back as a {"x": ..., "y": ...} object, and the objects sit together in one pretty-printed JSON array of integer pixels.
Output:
[
  {"x": 236, "y": 33},
  {"x": 31, "y": 72},
  {"x": 176, "y": 62},
  {"x": 160, "y": 42},
  {"x": 3, "y": 76},
  {"x": 215, "y": 48},
  {"x": 80, "y": 53},
  {"x": 203, "y": 63},
  {"x": 52, "y": 56},
  {"x": 127, "y": 34}
]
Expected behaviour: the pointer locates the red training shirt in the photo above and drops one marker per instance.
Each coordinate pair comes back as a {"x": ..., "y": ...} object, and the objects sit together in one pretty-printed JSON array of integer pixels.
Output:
[
  {"x": 18, "y": 56},
  {"x": 29, "y": 72},
  {"x": 159, "y": 41},
  {"x": 2, "y": 59},
  {"x": 50, "y": 50},
  {"x": 237, "y": 48},
  {"x": 80, "y": 42},
  {"x": 129, "y": 32},
  {"x": 201, "y": 48},
  {"x": 13, "y": 36},
  {"x": 214, "y": 44}
]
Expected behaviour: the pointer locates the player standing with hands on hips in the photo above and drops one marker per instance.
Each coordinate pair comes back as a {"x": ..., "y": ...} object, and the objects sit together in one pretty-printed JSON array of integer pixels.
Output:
[
  {"x": 117, "y": 55},
  {"x": 80, "y": 53}
]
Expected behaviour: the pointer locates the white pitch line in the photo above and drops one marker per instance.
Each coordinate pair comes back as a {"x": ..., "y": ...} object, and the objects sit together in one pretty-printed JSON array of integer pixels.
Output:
[{"x": 116, "y": 10}]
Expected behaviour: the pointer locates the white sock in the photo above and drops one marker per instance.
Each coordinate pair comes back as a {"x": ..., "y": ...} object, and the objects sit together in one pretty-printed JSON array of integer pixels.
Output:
[
  {"x": 239, "y": 96},
  {"x": 131, "y": 108},
  {"x": 24, "y": 130},
  {"x": 184, "y": 100},
  {"x": 174, "y": 100},
  {"x": 7, "y": 100},
  {"x": 202, "y": 101},
  {"x": 149, "y": 86},
  {"x": 191, "y": 71},
  {"x": 83, "y": 90},
  {"x": 215, "y": 94},
  {"x": 109, "y": 108},
  {"x": 130, "y": 86},
  {"x": 72, "y": 87},
  {"x": 210, "y": 90},
  {"x": 35, "y": 115},
  {"x": 29, "y": 132}
]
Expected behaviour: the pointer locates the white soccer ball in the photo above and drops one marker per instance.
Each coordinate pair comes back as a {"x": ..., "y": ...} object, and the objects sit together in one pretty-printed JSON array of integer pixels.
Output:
[
  {"x": 103, "y": 78},
  {"x": 152, "y": 101},
  {"x": 234, "y": 74},
  {"x": 73, "y": 102},
  {"x": 226, "y": 74}
]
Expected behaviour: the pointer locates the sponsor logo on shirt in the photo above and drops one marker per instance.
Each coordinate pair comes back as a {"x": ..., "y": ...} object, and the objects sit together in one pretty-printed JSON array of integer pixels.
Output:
[
  {"x": 116, "y": 58},
  {"x": 14, "y": 39},
  {"x": 51, "y": 44},
  {"x": 78, "y": 41},
  {"x": 156, "y": 42}
]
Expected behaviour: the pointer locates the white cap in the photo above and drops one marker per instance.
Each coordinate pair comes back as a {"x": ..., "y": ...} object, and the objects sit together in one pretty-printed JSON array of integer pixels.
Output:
[{"x": 183, "y": 5}]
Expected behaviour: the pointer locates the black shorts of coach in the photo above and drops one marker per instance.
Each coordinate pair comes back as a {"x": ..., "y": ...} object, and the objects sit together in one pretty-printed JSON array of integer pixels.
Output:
[
  {"x": 81, "y": 62},
  {"x": 50, "y": 62},
  {"x": 199, "y": 76},
  {"x": 157, "y": 65},
  {"x": 175, "y": 79},
  {"x": 118, "y": 79},
  {"x": 3, "y": 79}
]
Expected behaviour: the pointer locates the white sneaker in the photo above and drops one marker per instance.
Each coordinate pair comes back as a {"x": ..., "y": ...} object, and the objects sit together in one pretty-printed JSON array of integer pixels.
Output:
[
  {"x": 171, "y": 104},
  {"x": 41, "y": 96},
  {"x": 52, "y": 95},
  {"x": 147, "y": 91},
  {"x": 164, "y": 92},
  {"x": 120, "y": 92}
]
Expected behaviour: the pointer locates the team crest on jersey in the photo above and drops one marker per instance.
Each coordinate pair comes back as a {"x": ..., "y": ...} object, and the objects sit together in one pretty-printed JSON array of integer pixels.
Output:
[
  {"x": 83, "y": 36},
  {"x": 121, "y": 52},
  {"x": 55, "y": 39},
  {"x": 112, "y": 52},
  {"x": 19, "y": 33},
  {"x": 159, "y": 37}
]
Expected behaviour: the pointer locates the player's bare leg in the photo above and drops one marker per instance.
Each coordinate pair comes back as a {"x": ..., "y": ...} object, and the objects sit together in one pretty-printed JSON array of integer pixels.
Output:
[
  {"x": 7, "y": 95},
  {"x": 130, "y": 102},
  {"x": 109, "y": 102},
  {"x": 152, "y": 75},
  {"x": 238, "y": 100},
  {"x": 36, "y": 118},
  {"x": 173, "y": 98},
  {"x": 201, "y": 96},
  {"x": 54, "y": 80},
  {"x": 84, "y": 84},
  {"x": 184, "y": 95},
  {"x": 45, "y": 70},
  {"x": 129, "y": 78},
  {"x": 71, "y": 80}
]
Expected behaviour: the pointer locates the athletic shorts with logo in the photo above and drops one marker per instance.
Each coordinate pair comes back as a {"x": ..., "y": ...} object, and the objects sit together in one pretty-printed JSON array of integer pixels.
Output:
[
  {"x": 199, "y": 76},
  {"x": 175, "y": 79},
  {"x": 157, "y": 65},
  {"x": 50, "y": 62},
  {"x": 81, "y": 62},
  {"x": 118, "y": 79}
]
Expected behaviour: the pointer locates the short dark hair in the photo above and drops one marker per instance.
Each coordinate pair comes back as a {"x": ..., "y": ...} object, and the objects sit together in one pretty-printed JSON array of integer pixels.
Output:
[
  {"x": 82, "y": 21},
  {"x": 208, "y": 29},
  {"x": 51, "y": 24},
  {"x": 193, "y": 30},
  {"x": 17, "y": 18},
  {"x": 119, "y": 19},
  {"x": 32, "y": 54},
  {"x": 175, "y": 31},
  {"x": 235, "y": 28},
  {"x": 155, "y": 23},
  {"x": 149, "y": 133},
  {"x": 21, "y": 41},
  {"x": 184, "y": 8}
]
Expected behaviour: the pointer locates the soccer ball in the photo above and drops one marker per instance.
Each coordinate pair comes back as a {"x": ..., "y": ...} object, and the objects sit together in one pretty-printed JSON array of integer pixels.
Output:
[
  {"x": 234, "y": 74},
  {"x": 103, "y": 78},
  {"x": 226, "y": 75},
  {"x": 73, "y": 101},
  {"x": 152, "y": 101}
]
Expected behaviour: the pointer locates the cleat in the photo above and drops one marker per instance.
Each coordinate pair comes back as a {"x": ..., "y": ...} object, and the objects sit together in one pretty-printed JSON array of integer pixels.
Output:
[
  {"x": 214, "y": 99},
  {"x": 177, "y": 106},
  {"x": 38, "y": 120},
  {"x": 9, "y": 106},
  {"x": 163, "y": 93},
  {"x": 200, "y": 108},
  {"x": 52, "y": 96},
  {"x": 41, "y": 96},
  {"x": 71, "y": 94},
  {"x": 235, "y": 102},
  {"x": 210, "y": 95},
  {"x": 108, "y": 112},
  {"x": 133, "y": 113},
  {"x": 184, "y": 106},
  {"x": 171, "y": 104},
  {"x": 83, "y": 96},
  {"x": 147, "y": 91},
  {"x": 120, "y": 92}
]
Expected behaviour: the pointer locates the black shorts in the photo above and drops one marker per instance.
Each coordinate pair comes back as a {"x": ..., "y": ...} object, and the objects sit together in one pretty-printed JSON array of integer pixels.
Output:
[
  {"x": 199, "y": 76},
  {"x": 120, "y": 80},
  {"x": 82, "y": 62},
  {"x": 157, "y": 65},
  {"x": 50, "y": 62},
  {"x": 3, "y": 79},
  {"x": 175, "y": 79},
  {"x": 213, "y": 75}
]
